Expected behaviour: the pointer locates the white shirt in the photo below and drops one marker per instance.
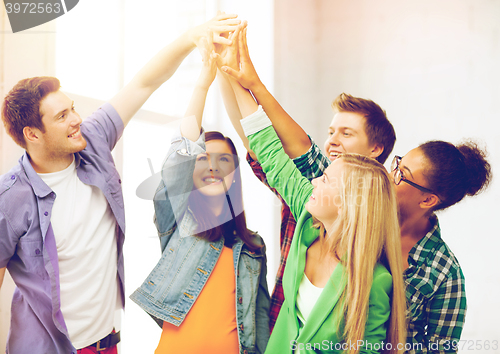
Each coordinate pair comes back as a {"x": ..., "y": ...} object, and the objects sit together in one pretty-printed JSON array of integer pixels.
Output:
[
  {"x": 84, "y": 229},
  {"x": 307, "y": 297}
]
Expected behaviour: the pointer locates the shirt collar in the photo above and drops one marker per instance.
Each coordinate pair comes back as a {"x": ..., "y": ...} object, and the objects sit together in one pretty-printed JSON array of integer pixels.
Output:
[
  {"x": 419, "y": 252},
  {"x": 39, "y": 186}
]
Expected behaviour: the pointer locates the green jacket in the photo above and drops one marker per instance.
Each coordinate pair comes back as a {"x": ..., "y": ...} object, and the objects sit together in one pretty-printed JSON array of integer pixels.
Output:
[{"x": 322, "y": 332}]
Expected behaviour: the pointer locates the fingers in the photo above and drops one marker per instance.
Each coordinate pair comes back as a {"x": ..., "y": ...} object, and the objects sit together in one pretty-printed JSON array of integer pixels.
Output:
[
  {"x": 235, "y": 35},
  {"x": 223, "y": 16},
  {"x": 209, "y": 40},
  {"x": 241, "y": 45},
  {"x": 231, "y": 72},
  {"x": 224, "y": 28},
  {"x": 244, "y": 41},
  {"x": 221, "y": 40}
]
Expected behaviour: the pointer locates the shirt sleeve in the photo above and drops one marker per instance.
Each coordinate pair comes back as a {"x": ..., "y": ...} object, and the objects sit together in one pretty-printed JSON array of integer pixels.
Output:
[
  {"x": 171, "y": 197},
  {"x": 8, "y": 241},
  {"x": 280, "y": 171},
  {"x": 447, "y": 310},
  {"x": 103, "y": 128},
  {"x": 313, "y": 162},
  {"x": 260, "y": 174}
]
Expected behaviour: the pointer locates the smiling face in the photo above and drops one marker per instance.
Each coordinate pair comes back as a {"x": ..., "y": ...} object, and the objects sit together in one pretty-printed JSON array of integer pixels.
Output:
[
  {"x": 214, "y": 170},
  {"x": 411, "y": 200},
  {"x": 346, "y": 134},
  {"x": 325, "y": 200},
  {"x": 62, "y": 137}
]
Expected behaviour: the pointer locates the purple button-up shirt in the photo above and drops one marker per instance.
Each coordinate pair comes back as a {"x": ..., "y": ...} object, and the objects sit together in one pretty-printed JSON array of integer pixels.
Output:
[{"x": 27, "y": 243}]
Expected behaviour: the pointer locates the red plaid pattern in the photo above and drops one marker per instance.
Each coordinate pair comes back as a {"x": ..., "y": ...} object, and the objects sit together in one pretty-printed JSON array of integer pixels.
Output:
[{"x": 288, "y": 224}]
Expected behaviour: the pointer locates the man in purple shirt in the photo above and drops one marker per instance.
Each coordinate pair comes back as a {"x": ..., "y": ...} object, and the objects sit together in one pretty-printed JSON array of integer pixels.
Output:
[{"x": 62, "y": 221}]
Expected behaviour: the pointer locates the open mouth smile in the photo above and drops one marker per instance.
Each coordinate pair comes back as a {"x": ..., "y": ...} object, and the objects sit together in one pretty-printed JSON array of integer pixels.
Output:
[{"x": 75, "y": 134}]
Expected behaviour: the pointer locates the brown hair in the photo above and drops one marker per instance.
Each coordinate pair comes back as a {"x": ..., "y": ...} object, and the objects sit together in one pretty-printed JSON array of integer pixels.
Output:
[
  {"x": 377, "y": 127},
  {"x": 21, "y": 106},
  {"x": 211, "y": 227},
  {"x": 455, "y": 171}
]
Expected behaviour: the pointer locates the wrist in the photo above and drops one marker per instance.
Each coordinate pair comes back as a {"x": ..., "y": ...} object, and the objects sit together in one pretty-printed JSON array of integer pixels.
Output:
[
  {"x": 257, "y": 87},
  {"x": 202, "y": 85},
  {"x": 191, "y": 37}
]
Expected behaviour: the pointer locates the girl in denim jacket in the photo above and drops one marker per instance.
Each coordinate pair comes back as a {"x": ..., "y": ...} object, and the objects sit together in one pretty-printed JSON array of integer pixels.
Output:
[{"x": 208, "y": 291}]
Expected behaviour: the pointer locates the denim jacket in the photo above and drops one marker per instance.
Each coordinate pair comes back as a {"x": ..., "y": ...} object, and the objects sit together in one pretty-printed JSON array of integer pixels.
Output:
[{"x": 187, "y": 261}]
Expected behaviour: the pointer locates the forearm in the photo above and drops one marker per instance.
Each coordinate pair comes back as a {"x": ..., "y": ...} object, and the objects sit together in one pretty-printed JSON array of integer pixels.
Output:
[
  {"x": 191, "y": 123},
  {"x": 232, "y": 108},
  {"x": 172, "y": 195},
  {"x": 280, "y": 171},
  {"x": 294, "y": 139},
  {"x": 164, "y": 64},
  {"x": 245, "y": 100},
  {"x": 158, "y": 70}
]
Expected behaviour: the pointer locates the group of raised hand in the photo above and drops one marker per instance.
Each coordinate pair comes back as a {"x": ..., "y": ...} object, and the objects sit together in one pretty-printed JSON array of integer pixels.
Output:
[{"x": 224, "y": 47}]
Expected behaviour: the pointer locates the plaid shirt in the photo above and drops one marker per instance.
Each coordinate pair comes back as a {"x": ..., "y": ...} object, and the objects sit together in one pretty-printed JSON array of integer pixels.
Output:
[
  {"x": 435, "y": 292},
  {"x": 435, "y": 289},
  {"x": 310, "y": 168}
]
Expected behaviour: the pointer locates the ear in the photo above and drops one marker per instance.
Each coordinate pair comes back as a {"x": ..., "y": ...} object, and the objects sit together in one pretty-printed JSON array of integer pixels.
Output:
[
  {"x": 31, "y": 134},
  {"x": 430, "y": 201},
  {"x": 376, "y": 151}
]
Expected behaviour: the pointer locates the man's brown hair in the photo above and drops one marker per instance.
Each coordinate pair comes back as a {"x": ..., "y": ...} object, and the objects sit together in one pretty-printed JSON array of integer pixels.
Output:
[
  {"x": 21, "y": 106},
  {"x": 377, "y": 127}
]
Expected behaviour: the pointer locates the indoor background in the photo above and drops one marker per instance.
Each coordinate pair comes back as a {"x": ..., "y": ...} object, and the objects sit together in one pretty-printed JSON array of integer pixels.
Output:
[{"x": 434, "y": 66}]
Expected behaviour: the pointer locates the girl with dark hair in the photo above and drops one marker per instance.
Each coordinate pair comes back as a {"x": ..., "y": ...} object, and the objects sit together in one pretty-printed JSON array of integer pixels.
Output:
[
  {"x": 208, "y": 291},
  {"x": 435, "y": 176}
]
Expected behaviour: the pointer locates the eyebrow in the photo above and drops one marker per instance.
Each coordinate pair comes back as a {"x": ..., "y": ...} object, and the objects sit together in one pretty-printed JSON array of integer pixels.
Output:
[
  {"x": 343, "y": 128},
  {"x": 406, "y": 169},
  {"x": 63, "y": 111}
]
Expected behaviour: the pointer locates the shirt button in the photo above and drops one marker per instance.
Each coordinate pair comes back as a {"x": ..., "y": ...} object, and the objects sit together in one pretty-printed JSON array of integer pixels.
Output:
[
  {"x": 37, "y": 251},
  {"x": 240, "y": 300},
  {"x": 46, "y": 213},
  {"x": 119, "y": 181},
  {"x": 241, "y": 327},
  {"x": 183, "y": 151},
  {"x": 12, "y": 177}
]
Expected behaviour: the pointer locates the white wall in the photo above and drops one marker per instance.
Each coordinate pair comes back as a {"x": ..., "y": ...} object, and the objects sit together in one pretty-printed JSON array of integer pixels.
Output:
[
  {"x": 431, "y": 65},
  {"x": 434, "y": 67},
  {"x": 29, "y": 54}
]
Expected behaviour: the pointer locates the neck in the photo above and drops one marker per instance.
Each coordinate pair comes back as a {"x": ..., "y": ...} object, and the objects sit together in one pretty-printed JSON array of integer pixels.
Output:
[
  {"x": 414, "y": 227},
  {"x": 49, "y": 164},
  {"x": 216, "y": 204}
]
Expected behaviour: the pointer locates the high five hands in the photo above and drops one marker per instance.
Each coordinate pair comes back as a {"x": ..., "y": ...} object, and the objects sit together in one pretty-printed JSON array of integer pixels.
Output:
[{"x": 235, "y": 59}]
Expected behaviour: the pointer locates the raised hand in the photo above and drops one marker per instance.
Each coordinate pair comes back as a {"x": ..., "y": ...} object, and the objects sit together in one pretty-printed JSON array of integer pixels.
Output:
[
  {"x": 209, "y": 57},
  {"x": 220, "y": 25},
  {"x": 244, "y": 71},
  {"x": 228, "y": 54}
]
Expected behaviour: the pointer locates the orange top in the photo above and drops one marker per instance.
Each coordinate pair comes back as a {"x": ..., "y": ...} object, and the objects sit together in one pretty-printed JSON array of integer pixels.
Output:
[{"x": 210, "y": 325}]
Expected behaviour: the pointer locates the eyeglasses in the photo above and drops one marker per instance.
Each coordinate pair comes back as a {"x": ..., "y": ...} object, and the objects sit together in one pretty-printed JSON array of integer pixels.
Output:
[{"x": 398, "y": 176}]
